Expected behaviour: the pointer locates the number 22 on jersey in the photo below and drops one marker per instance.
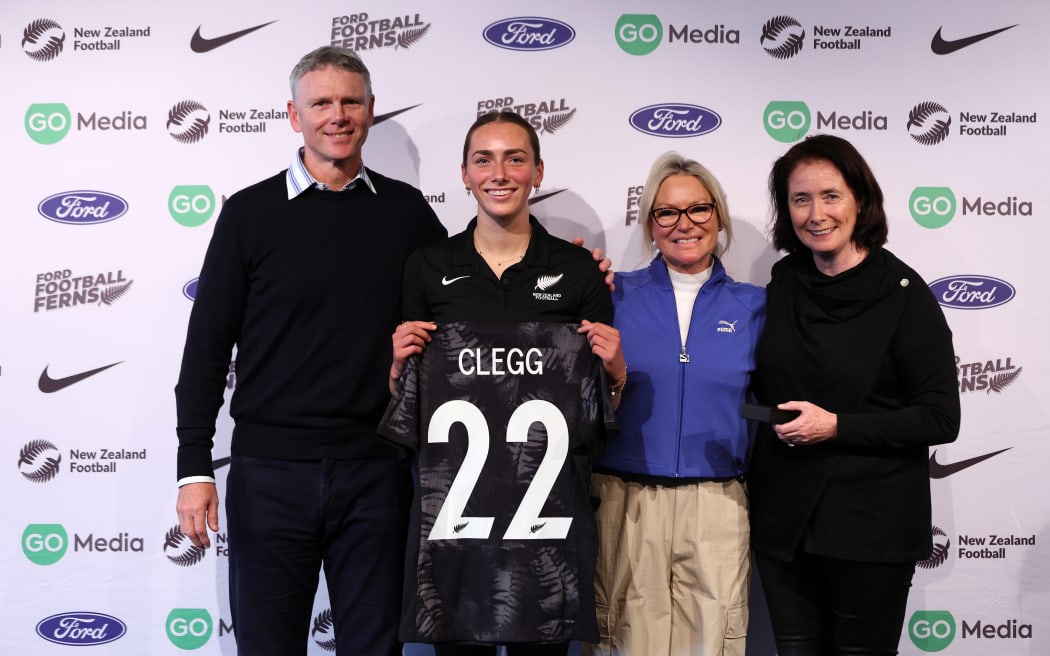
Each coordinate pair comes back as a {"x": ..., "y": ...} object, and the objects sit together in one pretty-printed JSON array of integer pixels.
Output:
[{"x": 450, "y": 524}]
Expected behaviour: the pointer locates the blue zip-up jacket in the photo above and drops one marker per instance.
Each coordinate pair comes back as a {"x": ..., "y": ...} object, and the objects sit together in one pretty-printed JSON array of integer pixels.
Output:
[{"x": 680, "y": 412}]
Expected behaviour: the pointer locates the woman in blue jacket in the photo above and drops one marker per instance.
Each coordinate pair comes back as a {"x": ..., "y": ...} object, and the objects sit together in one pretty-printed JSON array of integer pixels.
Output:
[{"x": 674, "y": 553}]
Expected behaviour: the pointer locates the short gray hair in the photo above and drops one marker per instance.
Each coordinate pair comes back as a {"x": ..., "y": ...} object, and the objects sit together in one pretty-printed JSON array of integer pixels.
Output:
[{"x": 341, "y": 58}]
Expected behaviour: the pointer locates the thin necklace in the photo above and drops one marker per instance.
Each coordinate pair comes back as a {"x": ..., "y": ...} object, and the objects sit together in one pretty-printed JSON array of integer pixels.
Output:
[{"x": 508, "y": 261}]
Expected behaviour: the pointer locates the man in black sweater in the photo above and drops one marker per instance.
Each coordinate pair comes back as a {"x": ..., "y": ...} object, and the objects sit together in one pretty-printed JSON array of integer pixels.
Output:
[{"x": 303, "y": 276}]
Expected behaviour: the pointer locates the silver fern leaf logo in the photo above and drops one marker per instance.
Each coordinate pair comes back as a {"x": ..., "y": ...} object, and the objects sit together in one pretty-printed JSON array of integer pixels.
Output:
[
  {"x": 110, "y": 295},
  {"x": 408, "y": 38},
  {"x": 43, "y": 39},
  {"x": 180, "y": 550},
  {"x": 39, "y": 461},
  {"x": 1000, "y": 381},
  {"x": 782, "y": 37},
  {"x": 324, "y": 625},
  {"x": 941, "y": 545},
  {"x": 543, "y": 283},
  {"x": 555, "y": 122},
  {"x": 185, "y": 122},
  {"x": 929, "y": 123}
]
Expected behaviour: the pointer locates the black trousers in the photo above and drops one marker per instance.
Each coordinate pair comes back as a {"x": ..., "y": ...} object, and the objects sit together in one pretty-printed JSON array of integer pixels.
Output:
[
  {"x": 829, "y": 607},
  {"x": 286, "y": 520}
]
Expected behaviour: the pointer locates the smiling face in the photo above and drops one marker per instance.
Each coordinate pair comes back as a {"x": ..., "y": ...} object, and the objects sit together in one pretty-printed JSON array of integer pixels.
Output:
[
  {"x": 333, "y": 111},
  {"x": 686, "y": 246},
  {"x": 824, "y": 214},
  {"x": 501, "y": 171}
]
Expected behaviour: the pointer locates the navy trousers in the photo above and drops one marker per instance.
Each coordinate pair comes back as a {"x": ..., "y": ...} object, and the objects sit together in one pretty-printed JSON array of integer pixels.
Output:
[{"x": 285, "y": 520}]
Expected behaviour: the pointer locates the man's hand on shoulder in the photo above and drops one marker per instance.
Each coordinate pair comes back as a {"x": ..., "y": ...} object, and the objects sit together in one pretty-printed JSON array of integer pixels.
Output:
[{"x": 604, "y": 263}]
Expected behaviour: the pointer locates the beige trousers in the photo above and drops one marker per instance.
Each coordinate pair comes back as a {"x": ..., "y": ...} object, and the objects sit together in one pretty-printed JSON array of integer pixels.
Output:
[{"x": 674, "y": 568}]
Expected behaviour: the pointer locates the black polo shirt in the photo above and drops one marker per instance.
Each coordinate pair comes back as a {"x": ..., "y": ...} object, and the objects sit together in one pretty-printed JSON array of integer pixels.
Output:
[{"x": 555, "y": 281}]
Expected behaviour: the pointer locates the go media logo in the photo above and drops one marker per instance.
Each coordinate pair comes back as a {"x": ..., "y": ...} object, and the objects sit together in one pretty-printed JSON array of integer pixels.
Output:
[
  {"x": 191, "y": 205},
  {"x": 934, "y": 630},
  {"x": 47, "y": 123},
  {"x": 189, "y": 628},
  {"x": 44, "y": 544},
  {"x": 931, "y": 630},
  {"x": 932, "y": 207},
  {"x": 639, "y": 34},
  {"x": 786, "y": 120}
]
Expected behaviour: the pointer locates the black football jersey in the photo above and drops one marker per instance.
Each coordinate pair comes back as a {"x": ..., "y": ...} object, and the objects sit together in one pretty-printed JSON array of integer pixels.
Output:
[{"x": 503, "y": 419}]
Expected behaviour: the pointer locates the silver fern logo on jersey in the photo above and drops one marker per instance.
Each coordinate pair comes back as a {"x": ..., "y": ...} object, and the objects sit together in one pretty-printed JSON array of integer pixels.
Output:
[
  {"x": 546, "y": 116},
  {"x": 361, "y": 31},
  {"x": 544, "y": 283}
]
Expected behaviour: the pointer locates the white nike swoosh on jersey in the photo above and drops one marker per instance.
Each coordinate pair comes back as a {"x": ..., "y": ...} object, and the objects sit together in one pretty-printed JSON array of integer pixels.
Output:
[{"x": 446, "y": 281}]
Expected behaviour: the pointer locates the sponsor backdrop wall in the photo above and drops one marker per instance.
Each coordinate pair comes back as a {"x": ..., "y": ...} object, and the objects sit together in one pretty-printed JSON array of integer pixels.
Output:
[{"x": 125, "y": 125}]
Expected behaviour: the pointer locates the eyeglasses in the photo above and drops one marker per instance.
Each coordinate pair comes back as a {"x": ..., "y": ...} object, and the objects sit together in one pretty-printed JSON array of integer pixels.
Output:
[{"x": 668, "y": 217}]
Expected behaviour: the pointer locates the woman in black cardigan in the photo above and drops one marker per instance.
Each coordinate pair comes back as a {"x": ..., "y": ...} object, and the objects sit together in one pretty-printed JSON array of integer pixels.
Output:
[{"x": 855, "y": 342}]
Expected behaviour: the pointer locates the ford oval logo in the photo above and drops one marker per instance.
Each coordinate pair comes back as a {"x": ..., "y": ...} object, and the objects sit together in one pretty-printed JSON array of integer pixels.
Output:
[
  {"x": 83, "y": 207},
  {"x": 972, "y": 292},
  {"x": 81, "y": 629},
  {"x": 189, "y": 290},
  {"x": 675, "y": 120},
  {"x": 529, "y": 33}
]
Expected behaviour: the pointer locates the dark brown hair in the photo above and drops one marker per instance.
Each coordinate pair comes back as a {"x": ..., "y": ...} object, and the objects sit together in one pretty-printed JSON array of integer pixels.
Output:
[{"x": 871, "y": 229}]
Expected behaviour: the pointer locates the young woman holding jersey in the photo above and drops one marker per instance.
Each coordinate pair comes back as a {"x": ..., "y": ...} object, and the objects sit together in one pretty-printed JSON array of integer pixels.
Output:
[{"x": 530, "y": 590}]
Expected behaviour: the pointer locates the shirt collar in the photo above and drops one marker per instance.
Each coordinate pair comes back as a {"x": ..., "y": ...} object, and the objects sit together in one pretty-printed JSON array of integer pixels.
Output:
[{"x": 298, "y": 179}]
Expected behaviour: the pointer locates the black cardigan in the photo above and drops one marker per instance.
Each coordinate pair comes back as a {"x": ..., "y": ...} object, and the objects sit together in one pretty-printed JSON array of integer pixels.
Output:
[{"x": 871, "y": 345}]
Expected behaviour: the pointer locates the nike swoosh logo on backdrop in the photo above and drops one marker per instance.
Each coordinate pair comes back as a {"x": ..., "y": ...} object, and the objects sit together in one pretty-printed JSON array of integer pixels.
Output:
[
  {"x": 937, "y": 470},
  {"x": 537, "y": 198},
  {"x": 200, "y": 44},
  {"x": 389, "y": 115},
  {"x": 48, "y": 384},
  {"x": 446, "y": 281},
  {"x": 941, "y": 46}
]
